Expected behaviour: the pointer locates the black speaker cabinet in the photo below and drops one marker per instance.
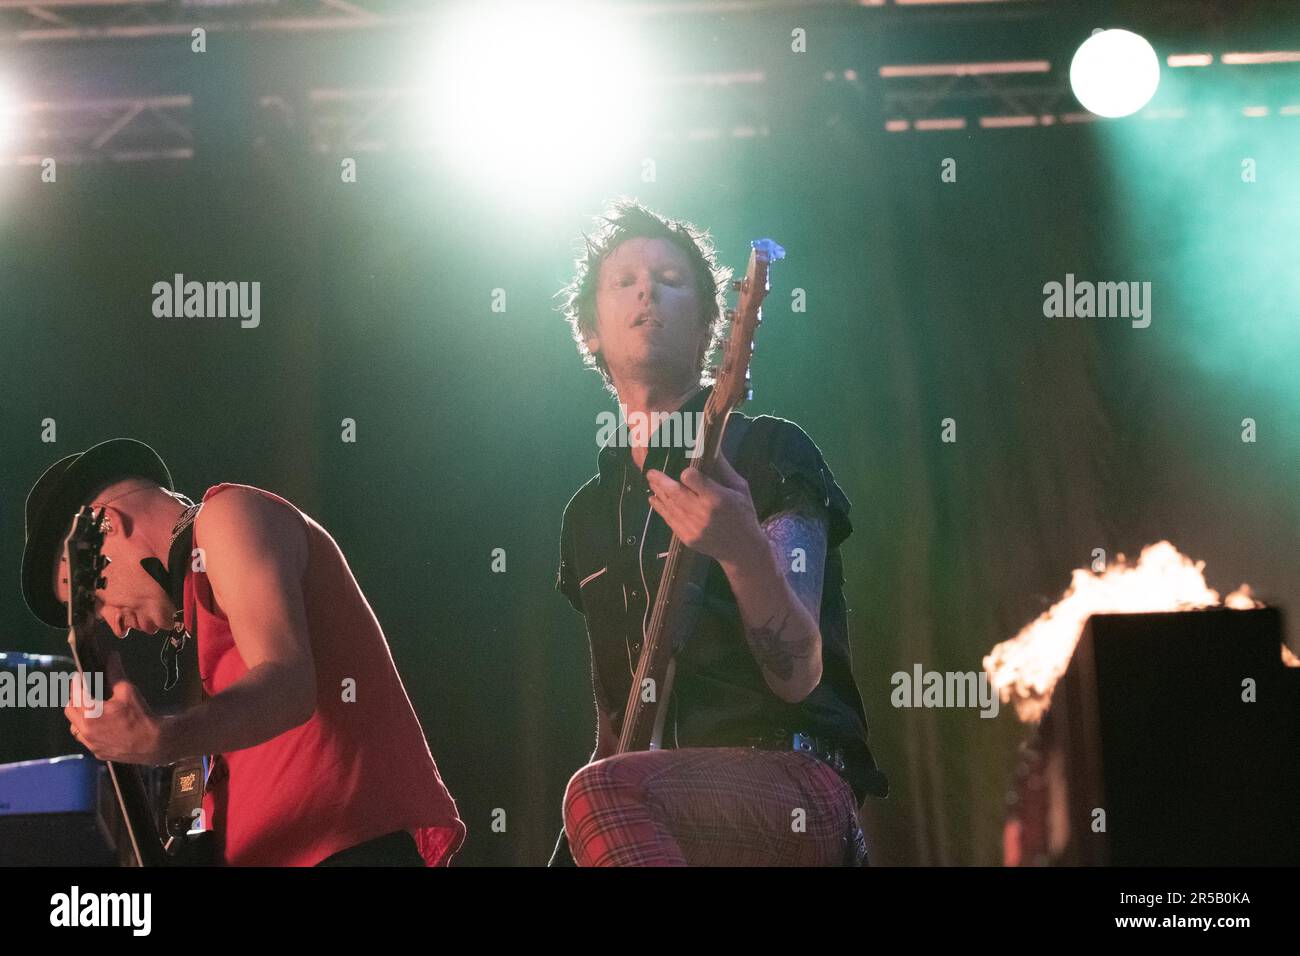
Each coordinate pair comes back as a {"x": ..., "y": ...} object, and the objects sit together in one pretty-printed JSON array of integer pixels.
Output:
[{"x": 1173, "y": 739}]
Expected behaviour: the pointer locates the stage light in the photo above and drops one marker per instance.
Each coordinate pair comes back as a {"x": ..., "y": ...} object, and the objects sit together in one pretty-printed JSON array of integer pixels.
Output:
[
  {"x": 1114, "y": 73},
  {"x": 536, "y": 96}
]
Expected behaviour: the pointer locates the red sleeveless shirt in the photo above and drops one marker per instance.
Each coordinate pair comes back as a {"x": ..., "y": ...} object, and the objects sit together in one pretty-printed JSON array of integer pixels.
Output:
[{"x": 358, "y": 769}]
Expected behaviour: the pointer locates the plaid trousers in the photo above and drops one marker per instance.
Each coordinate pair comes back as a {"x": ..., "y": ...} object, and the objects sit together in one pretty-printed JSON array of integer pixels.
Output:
[{"x": 709, "y": 806}]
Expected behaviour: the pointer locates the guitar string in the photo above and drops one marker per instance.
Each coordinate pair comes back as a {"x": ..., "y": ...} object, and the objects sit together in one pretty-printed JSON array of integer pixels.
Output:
[{"x": 669, "y": 572}]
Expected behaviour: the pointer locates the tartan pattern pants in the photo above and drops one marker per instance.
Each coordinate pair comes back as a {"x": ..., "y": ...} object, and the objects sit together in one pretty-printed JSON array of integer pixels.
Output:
[{"x": 709, "y": 806}]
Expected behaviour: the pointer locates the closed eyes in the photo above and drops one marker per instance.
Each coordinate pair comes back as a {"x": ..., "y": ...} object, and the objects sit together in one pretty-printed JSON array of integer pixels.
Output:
[{"x": 667, "y": 278}]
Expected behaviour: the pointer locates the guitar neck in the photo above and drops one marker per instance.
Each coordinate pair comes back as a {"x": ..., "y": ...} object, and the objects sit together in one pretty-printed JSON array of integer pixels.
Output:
[
  {"x": 682, "y": 581},
  {"x": 129, "y": 788}
]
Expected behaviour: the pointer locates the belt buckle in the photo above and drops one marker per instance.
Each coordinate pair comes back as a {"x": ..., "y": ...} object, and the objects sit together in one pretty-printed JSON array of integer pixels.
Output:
[{"x": 819, "y": 750}]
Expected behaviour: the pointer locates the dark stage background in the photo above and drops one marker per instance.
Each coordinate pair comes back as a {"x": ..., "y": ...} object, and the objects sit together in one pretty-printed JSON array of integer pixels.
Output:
[{"x": 474, "y": 427}]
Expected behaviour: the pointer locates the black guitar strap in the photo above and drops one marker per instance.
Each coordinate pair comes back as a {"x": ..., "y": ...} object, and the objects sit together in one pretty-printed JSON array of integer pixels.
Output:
[
  {"x": 737, "y": 426},
  {"x": 172, "y": 580},
  {"x": 189, "y": 774}
]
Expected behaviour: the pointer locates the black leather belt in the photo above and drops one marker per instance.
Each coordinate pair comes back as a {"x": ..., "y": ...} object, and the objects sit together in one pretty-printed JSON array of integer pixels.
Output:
[{"x": 818, "y": 747}]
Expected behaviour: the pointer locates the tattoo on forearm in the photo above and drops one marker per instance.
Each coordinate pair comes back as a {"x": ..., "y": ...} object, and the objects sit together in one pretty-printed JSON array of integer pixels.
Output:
[
  {"x": 774, "y": 651},
  {"x": 805, "y": 530}
]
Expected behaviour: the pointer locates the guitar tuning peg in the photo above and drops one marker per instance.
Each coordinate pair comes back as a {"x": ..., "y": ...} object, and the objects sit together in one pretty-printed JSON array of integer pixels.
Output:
[{"x": 738, "y": 285}]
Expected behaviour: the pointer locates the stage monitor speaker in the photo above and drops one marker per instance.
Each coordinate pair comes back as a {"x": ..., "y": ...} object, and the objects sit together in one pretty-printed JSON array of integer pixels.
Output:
[{"x": 1173, "y": 739}]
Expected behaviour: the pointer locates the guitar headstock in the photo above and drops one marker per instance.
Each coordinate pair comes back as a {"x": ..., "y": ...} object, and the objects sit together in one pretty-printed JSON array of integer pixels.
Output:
[
  {"x": 86, "y": 562},
  {"x": 732, "y": 385}
]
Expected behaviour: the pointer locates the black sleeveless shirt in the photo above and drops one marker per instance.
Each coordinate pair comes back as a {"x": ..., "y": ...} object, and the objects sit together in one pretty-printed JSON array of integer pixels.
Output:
[{"x": 612, "y": 550}]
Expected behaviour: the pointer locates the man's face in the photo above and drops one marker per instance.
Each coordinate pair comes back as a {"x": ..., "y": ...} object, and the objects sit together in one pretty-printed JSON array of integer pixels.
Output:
[
  {"x": 649, "y": 313},
  {"x": 131, "y": 599}
]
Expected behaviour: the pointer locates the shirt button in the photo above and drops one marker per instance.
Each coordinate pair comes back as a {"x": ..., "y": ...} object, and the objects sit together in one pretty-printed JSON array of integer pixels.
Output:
[
  {"x": 628, "y": 488},
  {"x": 631, "y": 539},
  {"x": 636, "y": 594},
  {"x": 636, "y": 646}
]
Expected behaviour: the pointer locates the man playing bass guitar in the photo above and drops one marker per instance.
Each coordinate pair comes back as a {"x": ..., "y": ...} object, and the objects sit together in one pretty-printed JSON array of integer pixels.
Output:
[{"x": 762, "y": 757}]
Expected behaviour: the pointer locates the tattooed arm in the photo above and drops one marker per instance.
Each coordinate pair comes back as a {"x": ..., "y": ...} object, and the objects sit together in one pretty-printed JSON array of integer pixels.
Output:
[{"x": 779, "y": 594}]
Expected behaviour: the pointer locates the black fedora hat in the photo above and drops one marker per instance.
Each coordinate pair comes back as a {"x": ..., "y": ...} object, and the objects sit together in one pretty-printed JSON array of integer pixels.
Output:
[{"x": 57, "y": 497}]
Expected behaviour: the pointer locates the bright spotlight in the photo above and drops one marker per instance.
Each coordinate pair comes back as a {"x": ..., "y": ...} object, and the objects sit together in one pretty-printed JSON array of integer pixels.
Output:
[
  {"x": 538, "y": 95},
  {"x": 1114, "y": 73}
]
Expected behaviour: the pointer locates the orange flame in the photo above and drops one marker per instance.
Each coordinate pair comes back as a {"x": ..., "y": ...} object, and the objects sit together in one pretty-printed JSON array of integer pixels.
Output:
[{"x": 1026, "y": 668}]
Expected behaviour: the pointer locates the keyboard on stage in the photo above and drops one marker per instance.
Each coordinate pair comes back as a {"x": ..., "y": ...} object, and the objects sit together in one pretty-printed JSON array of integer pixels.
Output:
[{"x": 52, "y": 813}]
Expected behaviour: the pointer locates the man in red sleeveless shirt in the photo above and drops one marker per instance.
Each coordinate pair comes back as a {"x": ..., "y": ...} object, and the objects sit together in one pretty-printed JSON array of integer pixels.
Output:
[{"x": 320, "y": 757}]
